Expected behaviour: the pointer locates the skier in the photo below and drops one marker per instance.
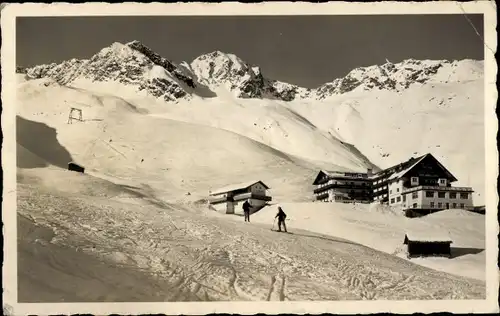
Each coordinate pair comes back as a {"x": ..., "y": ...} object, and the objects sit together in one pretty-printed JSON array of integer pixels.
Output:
[
  {"x": 281, "y": 218},
  {"x": 246, "y": 210}
]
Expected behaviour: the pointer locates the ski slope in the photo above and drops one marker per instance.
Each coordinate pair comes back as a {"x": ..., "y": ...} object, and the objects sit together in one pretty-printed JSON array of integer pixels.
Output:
[
  {"x": 141, "y": 206},
  {"x": 186, "y": 254},
  {"x": 383, "y": 228}
]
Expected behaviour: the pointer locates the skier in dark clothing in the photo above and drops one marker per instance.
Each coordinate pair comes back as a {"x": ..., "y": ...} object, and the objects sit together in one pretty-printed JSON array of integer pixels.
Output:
[
  {"x": 246, "y": 211},
  {"x": 281, "y": 218}
]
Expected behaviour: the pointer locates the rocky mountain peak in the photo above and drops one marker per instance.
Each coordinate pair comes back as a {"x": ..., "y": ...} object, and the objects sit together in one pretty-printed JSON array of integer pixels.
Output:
[
  {"x": 136, "y": 65},
  {"x": 132, "y": 64},
  {"x": 402, "y": 75},
  {"x": 218, "y": 69}
]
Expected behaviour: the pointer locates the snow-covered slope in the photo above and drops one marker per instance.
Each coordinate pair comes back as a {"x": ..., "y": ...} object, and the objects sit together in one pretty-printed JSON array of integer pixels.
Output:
[
  {"x": 173, "y": 156},
  {"x": 229, "y": 124},
  {"x": 87, "y": 225},
  {"x": 383, "y": 228},
  {"x": 378, "y": 114}
]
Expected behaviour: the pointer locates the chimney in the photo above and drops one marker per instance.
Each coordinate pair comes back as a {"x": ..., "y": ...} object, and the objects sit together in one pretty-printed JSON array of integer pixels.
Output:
[{"x": 369, "y": 171}]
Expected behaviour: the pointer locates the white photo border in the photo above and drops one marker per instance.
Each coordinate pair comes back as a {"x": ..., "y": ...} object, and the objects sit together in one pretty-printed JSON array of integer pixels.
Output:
[{"x": 8, "y": 25}]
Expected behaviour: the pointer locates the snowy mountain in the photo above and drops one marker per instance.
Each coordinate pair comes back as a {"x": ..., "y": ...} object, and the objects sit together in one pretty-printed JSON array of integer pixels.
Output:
[
  {"x": 246, "y": 81},
  {"x": 131, "y": 64},
  {"x": 400, "y": 76},
  {"x": 134, "y": 64},
  {"x": 331, "y": 125},
  {"x": 157, "y": 136}
]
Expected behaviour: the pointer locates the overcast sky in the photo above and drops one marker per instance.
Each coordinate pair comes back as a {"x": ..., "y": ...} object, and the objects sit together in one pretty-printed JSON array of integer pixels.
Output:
[{"x": 304, "y": 50}]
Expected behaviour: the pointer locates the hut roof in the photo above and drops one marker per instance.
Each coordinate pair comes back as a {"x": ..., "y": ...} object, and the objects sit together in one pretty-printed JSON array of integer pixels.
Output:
[
  {"x": 427, "y": 237},
  {"x": 238, "y": 186}
]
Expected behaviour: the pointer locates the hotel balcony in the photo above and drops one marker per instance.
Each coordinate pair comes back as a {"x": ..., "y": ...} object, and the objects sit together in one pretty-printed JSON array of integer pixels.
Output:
[
  {"x": 240, "y": 197},
  {"x": 342, "y": 186},
  {"x": 322, "y": 196},
  {"x": 438, "y": 188},
  {"x": 437, "y": 208}
]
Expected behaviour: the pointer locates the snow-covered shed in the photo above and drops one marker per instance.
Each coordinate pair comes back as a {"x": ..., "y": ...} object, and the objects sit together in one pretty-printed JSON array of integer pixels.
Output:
[
  {"x": 424, "y": 245},
  {"x": 227, "y": 199}
]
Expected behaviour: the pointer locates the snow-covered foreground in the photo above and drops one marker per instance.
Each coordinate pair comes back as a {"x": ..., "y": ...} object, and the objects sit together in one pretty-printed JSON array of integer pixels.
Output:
[
  {"x": 380, "y": 227},
  {"x": 190, "y": 255}
]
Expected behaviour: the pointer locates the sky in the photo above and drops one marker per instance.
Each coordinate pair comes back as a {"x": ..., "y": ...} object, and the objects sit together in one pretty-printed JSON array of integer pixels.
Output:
[{"x": 303, "y": 50}]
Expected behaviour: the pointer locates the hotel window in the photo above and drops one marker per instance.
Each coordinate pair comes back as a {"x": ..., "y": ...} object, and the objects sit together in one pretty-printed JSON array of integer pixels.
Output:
[
  {"x": 454, "y": 205},
  {"x": 414, "y": 195},
  {"x": 464, "y": 196},
  {"x": 390, "y": 191},
  {"x": 441, "y": 195},
  {"x": 397, "y": 190},
  {"x": 442, "y": 181},
  {"x": 440, "y": 205},
  {"x": 429, "y": 193},
  {"x": 414, "y": 205},
  {"x": 392, "y": 200},
  {"x": 462, "y": 205},
  {"x": 432, "y": 204},
  {"x": 404, "y": 198},
  {"x": 414, "y": 179},
  {"x": 453, "y": 195},
  {"x": 398, "y": 199}
]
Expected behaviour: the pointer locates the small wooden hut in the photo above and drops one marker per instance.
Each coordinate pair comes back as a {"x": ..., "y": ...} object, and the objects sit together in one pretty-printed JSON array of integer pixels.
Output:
[
  {"x": 426, "y": 245},
  {"x": 72, "y": 166}
]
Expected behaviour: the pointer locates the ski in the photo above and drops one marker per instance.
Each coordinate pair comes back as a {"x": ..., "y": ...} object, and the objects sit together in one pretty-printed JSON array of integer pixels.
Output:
[{"x": 277, "y": 231}]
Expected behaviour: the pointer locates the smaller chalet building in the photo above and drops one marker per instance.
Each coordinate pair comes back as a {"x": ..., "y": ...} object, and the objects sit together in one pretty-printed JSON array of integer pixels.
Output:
[{"x": 230, "y": 199}]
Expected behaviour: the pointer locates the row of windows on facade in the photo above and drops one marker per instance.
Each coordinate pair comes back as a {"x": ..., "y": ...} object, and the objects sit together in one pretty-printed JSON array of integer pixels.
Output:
[
  {"x": 336, "y": 198},
  {"x": 440, "y": 205},
  {"x": 339, "y": 198},
  {"x": 453, "y": 195},
  {"x": 441, "y": 195},
  {"x": 430, "y": 194},
  {"x": 414, "y": 180},
  {"x": 363, "y": 184}
]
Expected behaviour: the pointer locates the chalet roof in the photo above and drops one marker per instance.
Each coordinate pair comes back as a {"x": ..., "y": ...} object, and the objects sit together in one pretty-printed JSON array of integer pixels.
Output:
[
  {"x": 410, "y": 164},
  {"x": 332, "y": 174},
  {"x": 399, "y": 166},
  {"x": 238, "y": 186},
  {"x": 427, "y": 237}
]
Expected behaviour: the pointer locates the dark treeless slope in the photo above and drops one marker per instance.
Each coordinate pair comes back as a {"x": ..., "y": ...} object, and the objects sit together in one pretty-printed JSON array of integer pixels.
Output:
[{"x": 40, "y": 140}]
